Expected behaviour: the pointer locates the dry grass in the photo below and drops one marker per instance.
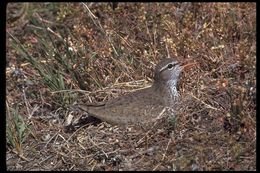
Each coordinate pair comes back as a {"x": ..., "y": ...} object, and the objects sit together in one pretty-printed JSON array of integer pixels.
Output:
[{"x": 59, "y": 54}]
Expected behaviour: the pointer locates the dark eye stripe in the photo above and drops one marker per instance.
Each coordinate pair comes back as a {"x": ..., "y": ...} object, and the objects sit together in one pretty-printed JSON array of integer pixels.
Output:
[{"x": 169, "y": 66}]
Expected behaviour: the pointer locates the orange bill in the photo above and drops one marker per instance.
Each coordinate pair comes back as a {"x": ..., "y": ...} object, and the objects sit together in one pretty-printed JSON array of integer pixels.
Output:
[{"x": 189, "y": 65}]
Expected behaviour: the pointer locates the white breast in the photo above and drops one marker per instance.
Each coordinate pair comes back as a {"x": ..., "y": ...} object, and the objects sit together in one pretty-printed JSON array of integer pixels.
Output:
[{"x": 173, "y": 90}]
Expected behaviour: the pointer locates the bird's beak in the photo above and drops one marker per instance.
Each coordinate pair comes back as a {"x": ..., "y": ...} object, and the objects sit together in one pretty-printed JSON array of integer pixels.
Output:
[{"x": 188, "y": 65}]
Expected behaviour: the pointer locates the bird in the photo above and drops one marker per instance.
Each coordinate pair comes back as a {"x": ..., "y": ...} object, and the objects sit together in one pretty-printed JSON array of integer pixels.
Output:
[{"x": 144, "y": 105}]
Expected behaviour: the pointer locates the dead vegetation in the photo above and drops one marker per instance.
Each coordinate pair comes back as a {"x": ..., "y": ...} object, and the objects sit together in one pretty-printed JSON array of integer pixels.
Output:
[{"x": 61, "y": 53}]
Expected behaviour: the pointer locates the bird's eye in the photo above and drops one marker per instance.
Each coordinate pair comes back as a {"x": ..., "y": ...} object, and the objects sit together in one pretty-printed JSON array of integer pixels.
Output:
[{"x": 170, "y": 66}]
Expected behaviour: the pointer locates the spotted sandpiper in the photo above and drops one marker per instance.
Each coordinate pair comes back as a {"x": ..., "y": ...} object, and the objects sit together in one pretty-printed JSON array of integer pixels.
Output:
[{"x": 142, "y": 105}]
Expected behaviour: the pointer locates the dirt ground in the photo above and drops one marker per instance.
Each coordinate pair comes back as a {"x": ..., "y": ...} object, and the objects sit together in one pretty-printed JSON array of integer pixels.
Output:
[{"x": 61, "y": 54}]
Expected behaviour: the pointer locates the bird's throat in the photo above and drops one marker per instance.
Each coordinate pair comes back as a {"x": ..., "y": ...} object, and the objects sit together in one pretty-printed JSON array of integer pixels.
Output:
[
  {"x": 168, "y": 91},
  {"x": 171, "y": 87}
]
